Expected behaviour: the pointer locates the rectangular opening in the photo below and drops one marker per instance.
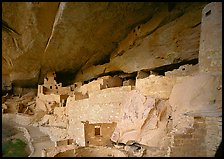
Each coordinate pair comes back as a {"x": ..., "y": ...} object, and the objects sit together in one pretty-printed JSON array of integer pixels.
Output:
[
  {"x": 70, "y": 141},
  {"x": 64, "y": 102},
  {"x": 208, "y": 13},
  {"x": 97, "y": 131}
]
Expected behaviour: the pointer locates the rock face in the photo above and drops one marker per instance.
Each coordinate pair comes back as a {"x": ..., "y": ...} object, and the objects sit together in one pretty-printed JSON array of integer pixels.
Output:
[
  {"x": 135, "y": 111},
  {"x": 64, "y": 36},
  {"x": 164, "y": 39},
  {"x": 71, "y": 37}
]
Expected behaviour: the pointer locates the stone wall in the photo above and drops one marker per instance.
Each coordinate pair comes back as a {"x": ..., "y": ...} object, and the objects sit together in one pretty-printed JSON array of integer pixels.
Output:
[
  {"x": 210, "y": 53},
  {"x": 101, "y": 83},
  {"x": 98, "y": 134},
  {"x": 192, "y": 143},
  {"x": 102, "y": 106}
]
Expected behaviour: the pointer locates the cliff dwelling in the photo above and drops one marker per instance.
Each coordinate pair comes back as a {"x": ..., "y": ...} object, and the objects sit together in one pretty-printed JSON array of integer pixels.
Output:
[{"x": 103, "y": 79}]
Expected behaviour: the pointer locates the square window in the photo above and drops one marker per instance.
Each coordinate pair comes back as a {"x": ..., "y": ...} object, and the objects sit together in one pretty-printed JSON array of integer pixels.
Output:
[{"x": 97, "y": 131}]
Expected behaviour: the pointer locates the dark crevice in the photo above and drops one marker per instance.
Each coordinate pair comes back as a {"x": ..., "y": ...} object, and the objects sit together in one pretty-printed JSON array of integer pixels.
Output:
[
  {"x": 156, "y": 71},
  {"x": 121, "y": 74},
  {"x": 196, "y": 25},
  {"x": 65, "y": 77}
]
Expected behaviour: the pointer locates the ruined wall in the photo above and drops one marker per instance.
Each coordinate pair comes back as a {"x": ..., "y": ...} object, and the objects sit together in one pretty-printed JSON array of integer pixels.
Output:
[
  {"x": 101, "y": 83},
  {"x": 102, "y": 106},
  {"x": 47, "y": 102},
  {"x": 98, "y": 134}
]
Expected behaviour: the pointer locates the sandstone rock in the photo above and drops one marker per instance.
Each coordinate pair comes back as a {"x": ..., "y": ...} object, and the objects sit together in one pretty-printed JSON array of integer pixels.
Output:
[
  {"x": 173, "y": 42},
  {"x": 52, "y": 31},
  {"x": 47, "y": 34},
  {"x": 134, "y": 113},
  {"x": 154, "y": 131},
  {"x": 176, "y": 40}
]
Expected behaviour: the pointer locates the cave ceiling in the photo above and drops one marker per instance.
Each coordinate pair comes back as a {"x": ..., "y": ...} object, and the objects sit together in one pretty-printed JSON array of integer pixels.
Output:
[{"x": 66, "y": 36}]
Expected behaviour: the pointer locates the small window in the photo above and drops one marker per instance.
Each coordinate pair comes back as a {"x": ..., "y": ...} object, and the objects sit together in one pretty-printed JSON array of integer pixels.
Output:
[
  {"x": 208, "y": 13},
  {"x": 64, "y": 103},
  {"x": 50, "y": 87},
  {"x": 97, "y": 130}
]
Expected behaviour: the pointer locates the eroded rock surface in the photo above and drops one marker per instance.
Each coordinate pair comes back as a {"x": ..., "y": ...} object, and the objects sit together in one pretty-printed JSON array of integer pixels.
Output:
[
  {"x": 81, "y": 34},
  {"x": 134, "y": 113},
  {"x": 72, "y": 37}
]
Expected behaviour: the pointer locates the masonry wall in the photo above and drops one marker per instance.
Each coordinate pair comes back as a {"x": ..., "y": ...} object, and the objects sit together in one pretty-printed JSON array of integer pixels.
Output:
[
  {"x": 210, "y": 53},
  {"x": 192, "y": 142},
  {"x": 101, "y": 139},
  {"x": 101, "y": 107},
  {"x": 100, "y": 83}
]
